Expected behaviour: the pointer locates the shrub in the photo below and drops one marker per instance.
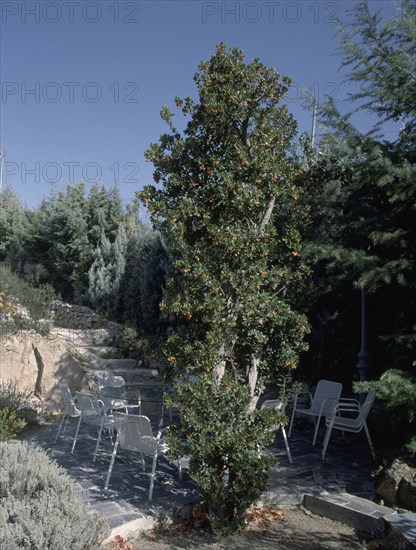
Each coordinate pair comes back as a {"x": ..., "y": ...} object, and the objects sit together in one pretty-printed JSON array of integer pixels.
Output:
[
  {"x": 226, "y": 461},
  {"x": 22, "y": 306},
  {"x": 17, "y": 401},
  {"x": 10, "y": 424},
  {"x": 397, "y": 389},
  {"x": 127, "y": 342},
  {"x": 38, "y": 509}
]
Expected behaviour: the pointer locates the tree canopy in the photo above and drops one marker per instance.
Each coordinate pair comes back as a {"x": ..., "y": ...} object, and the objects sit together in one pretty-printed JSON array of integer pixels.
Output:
[{"x": 227, "y": 207}]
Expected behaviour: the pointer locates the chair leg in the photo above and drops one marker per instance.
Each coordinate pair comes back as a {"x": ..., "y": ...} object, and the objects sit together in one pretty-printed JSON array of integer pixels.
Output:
[
  {"x": 98, "y": 441},
  {"x": 152, "y": 476},
  {"x": 60, "y": 427},
  {"x": 295, "y": 402},
  {"x": 110, "y": 469},
  {"x": 370, "y": 442},
  {"x": 66, "y": 424},
  {"x": 286, "y": 444},
  {"x": 326, "y": 440},
  {"x": 317, "y": 423},
  {"x": 76, "y": 435}
]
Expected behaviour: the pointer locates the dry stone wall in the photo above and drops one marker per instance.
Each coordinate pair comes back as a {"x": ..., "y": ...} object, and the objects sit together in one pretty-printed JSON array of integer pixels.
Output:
[{"x": 79, "y": 317}]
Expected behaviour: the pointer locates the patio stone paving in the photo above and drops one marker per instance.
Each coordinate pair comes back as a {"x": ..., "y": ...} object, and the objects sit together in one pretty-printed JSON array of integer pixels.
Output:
[{"x": 347, "y": 468}]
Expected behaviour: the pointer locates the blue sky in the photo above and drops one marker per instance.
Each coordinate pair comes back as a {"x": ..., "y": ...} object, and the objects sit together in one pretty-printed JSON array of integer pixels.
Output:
[{"x": 83, "y": 82}]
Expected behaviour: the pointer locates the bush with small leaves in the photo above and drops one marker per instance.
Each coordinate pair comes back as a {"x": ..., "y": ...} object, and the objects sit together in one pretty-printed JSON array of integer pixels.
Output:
[
  {"x": 10, "y": 424},
  {"x": 18, "y": 402},
  {"x": 127, "y": 340},
  {"x": 22, "y": 306},
  {"x": 38, "y": 508}
]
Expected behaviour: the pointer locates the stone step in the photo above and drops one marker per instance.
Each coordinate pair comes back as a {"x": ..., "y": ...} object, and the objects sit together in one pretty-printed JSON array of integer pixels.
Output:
[
  {"x": 359, "y": 513},
  {"x": 99, "y": 351},
  {"x": 131, "y": 376},
  {"x": 110, "y": 364}
]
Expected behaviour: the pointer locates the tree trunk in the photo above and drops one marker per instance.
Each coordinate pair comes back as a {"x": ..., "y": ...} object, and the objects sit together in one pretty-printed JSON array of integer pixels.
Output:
[{"x": 252, "y": 375}]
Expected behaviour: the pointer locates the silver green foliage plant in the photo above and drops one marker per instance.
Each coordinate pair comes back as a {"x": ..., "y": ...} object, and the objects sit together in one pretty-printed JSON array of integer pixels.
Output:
[{"x": 38, "y": 509}]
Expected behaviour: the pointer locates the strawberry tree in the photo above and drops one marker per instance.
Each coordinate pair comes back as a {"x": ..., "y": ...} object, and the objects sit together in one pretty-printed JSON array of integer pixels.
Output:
[{"x": 226, "y": 203}]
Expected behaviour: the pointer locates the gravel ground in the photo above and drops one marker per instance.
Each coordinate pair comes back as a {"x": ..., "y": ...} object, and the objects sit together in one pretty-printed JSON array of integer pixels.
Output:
[{"x": 298, "y": 529}]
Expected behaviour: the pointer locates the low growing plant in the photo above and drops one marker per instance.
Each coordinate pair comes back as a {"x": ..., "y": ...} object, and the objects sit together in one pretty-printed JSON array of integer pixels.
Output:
[
  {"x": 10, "y": 424},
  {"x": 38, "y": 508},
  {"x": 17, "y": 401}
]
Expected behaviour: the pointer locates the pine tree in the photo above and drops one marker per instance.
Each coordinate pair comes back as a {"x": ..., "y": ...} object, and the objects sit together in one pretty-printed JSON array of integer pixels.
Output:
[
  {"x": 362, "y": 189},
  {"x": 14, "y": 229},
  {"x": 106, "y": 273}
]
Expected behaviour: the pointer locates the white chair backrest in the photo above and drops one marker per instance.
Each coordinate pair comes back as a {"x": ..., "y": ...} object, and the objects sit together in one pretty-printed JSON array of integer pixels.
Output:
[
  {"x": 90, "y": 407},
  {"x": 135, "y": 433},
  {"x": 366, "y": 406},
  {"x": 326, "y": 390},
  {"x": 65, "y": 392},
  {"x": 67, "y": 398}
]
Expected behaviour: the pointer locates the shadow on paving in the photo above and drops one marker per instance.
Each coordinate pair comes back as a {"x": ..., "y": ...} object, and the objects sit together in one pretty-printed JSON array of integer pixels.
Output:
[{"x": 347, "y": 468}]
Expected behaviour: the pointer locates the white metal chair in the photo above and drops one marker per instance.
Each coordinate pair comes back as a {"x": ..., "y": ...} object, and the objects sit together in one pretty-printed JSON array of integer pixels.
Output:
[
  {"x": 92, "y": 413},
  {"x": 116, "y": 381},
  {"x": 134, "y": 433},
  {"x": 322, "y": 404},
  {"x": 69, "y": 407},
  {"x": 336, "y": 420},
  {"x": 278, "y": 405}
]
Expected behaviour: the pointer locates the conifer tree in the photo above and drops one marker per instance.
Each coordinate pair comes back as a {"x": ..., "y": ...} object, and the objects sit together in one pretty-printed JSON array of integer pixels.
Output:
[
  {"x": 106, "y": 273},
  {"x": 362, "y": 189},
  {"x": 14, "y": 229}
]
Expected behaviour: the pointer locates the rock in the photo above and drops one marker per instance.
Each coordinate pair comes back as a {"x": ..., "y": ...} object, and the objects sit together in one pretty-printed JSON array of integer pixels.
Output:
[
  {"x": 72, "y": 316},
  {"x": 85, "y": 337},
  {"x": 37, "y": 363},
  {"x": 398, "y": 485},
  {"x": 406, "y": 494}
]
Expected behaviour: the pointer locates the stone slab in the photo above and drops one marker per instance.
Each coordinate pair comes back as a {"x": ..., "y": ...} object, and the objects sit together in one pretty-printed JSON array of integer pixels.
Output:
[
  {"x": 405, "y": 526},
  {"x": 356, "y": 512}
]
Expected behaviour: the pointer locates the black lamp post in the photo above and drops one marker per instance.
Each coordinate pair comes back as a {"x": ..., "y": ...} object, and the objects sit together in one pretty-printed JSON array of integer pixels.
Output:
[{"x": 364, "y": 364}]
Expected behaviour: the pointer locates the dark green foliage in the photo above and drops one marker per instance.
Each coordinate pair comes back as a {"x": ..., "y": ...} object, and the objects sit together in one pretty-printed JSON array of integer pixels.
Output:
[
  {"x": 38, "y": 508},
  {"x": 228, "y": 209},
  {"x": 14, "y": 229},
  {"x": 67, "y": 228},
  {"x": 147, "y": 266},
  {"x": 127, "y": 342},
  {"x": 397, "y": 390},
  {"x": 361, "y": 192},
  {"x": 224, "y": 443},
  {"x": 16, "y": 400},
  {"x": 10, "y": 424},
  {"x": 29, "y": 306},
  {"x": 15, "y": 410},
  {"x": 381, "y": 58}
]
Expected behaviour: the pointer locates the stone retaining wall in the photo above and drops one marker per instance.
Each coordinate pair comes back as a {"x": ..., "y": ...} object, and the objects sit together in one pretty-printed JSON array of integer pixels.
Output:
[{"x": 79, "y": 317}]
